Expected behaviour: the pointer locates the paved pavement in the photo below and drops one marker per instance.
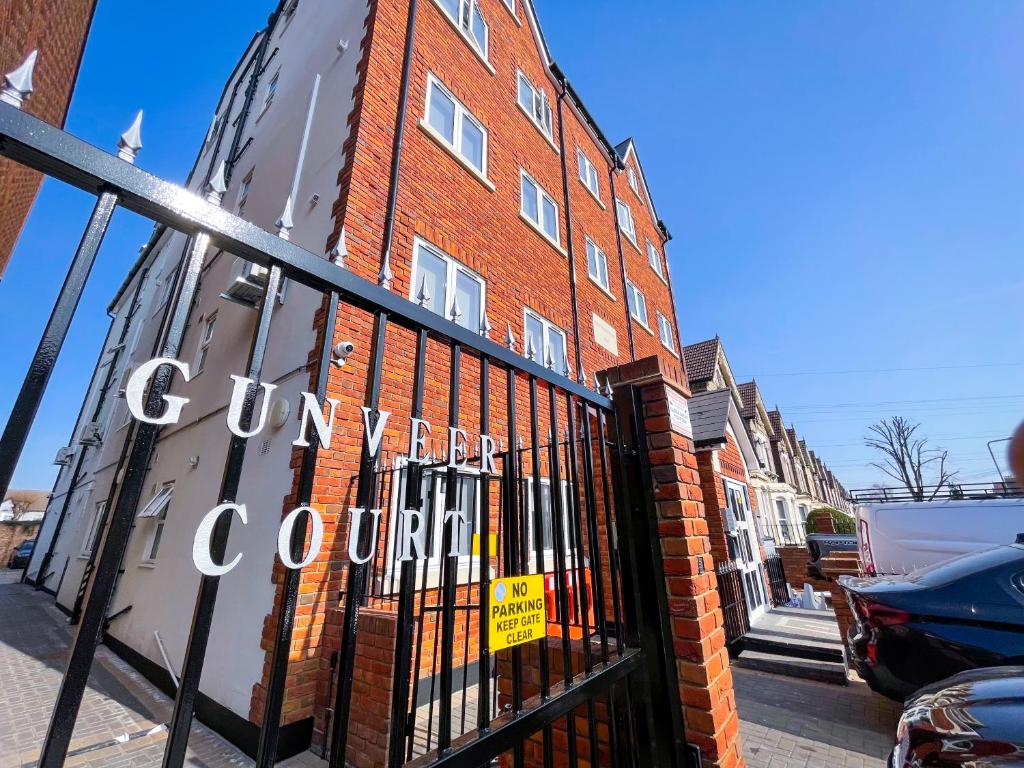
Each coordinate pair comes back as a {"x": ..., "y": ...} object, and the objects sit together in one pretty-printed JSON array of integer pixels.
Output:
[
  {"x": 790, "y": 723},
  {"x": 786, "y": 723}
]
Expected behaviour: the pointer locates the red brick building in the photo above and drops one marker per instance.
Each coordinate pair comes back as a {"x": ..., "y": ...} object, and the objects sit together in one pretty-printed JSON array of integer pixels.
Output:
[{"x": 57, "y": 28}]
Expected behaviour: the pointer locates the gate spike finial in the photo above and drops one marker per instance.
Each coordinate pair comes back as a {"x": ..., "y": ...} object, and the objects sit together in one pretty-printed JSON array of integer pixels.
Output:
[
  {"x": 597, "y": 384},
  {"x": 340, "y": 251},
  {"x": 485, "y": 329},
  {"x": 17, "y": 85},
  {"x": 510, "y": 338},
  {"x": 386, "y": 275},
  {"x": 607, "y": 391},
  {"x": 285, "y": 223},
  {"x": 549, "y": 359},
  {"x": 216, "y": 187},
  {"x": 130, "y": 143},
  {"x": 565, "y": 362},
  {"x": 423, "y": 297},
  {"x": 583, "y": 374},
  {"x": 456, "y": 312},
  {"x": 531, "y": 351}
]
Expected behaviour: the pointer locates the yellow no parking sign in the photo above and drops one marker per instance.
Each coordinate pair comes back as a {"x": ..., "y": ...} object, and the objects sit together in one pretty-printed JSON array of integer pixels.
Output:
[{"x": 516, "y": 611}]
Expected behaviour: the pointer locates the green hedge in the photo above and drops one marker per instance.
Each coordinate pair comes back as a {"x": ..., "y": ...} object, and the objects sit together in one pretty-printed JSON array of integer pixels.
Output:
[{"x": 841, "y": 522}]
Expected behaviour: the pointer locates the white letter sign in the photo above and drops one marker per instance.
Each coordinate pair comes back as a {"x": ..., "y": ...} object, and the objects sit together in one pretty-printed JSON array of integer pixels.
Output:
[
  {"x": 284, "y": 538},
  {"x": 201, "y": 545},
  {"x": 136, "y": 390},
  {"x": 238, "y": 394}
]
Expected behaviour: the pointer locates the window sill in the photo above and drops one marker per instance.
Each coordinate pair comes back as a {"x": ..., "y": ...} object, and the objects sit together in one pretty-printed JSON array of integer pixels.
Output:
[
  {"x": 642, "y": 324},
  {"x": 147, "y": 564},
  {"x": 548, "y": 139},
  {"x": 607, "y": 292},
  {"x": 660, "y": 276},
  {"x": 465, "y": 37},
  {"x": 670, "y": 350},
  {"x": 592, "y": 194},
  {"x": 84, "y": 556},
  {"x": 513, "y": 14},
  {"x": 547, "y": 238},
  {"x": 440, "y": 140}
]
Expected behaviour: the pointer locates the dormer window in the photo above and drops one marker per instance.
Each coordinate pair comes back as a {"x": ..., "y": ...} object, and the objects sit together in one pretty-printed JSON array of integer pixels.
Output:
[
  {"x": 469, "y": 19},
  {"x": 534, "y": 102}
]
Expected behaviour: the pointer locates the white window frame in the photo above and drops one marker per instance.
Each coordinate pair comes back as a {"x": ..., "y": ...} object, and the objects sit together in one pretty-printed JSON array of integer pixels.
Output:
[
  {"x": 203, "y": 345},
  {"x": 468, "y": 565},
  {"x": 630, "y": 230},
  {"x": 511, "y": 5},
  {"x": 526, "y": 487},
  {"x": 268, "y": 97},
  {"x": 599, "y": 255},
  {"x": 654, "y": 259},
  {"x": 92, "y": 533},
  {"x": 541, "y": 196},
  {"x": 668, "y": 338},
  {"x": 632, "y": 292},
  {"x": 243, "y": 192},
  {"x": 633, "y": 183},
  {"x": 539, "y": 102},
  {"x": 546, "y": 327},
  {"x": 454, "y": 267},
  {"x": 463, "y": 25},
  {"x": 586, "y": 169},
  {"x": 461, "y": 114},
  {"x": 151, "y": 548}
]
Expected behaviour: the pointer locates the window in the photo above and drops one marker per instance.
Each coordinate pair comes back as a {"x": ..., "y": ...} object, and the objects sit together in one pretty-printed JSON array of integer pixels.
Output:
[
  {"x": 547, "y": 518},
  {"x": 631, "y": 175},
  {"x": 466, "y": 15},
  {"x": 654, "y": 259},
  {"x": 211, "y": 135},
  {"x": 588, "y": 174},
  {"x": 92, "y": 533},
  {"x": 452, "y": 122},
  {"x": 243, "y": 192},
  {"x": 637, "y": 303},
  {"x": 205, "y": 338},
  {"x": 787, "y": 530},
  {"x": 268, "y": 98},
  {"x": 534, "y": 102},
  {"x": 511, "y": 5},
  {"x": 539, "y": 208},
  {"x": 544, "y": 342},
  {"x": 156, "y": 512},
  {"x": 665, "y": 333},
  {"x": 446, "y": 287},
  {"x": 736, "y": 512},
  {"x": 597, "y": 265},
  {"x": 625, "y": 216}
]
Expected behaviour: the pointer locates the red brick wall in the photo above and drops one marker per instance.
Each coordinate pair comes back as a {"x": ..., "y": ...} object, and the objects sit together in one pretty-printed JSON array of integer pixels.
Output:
[{"x": 58, "y": 29}]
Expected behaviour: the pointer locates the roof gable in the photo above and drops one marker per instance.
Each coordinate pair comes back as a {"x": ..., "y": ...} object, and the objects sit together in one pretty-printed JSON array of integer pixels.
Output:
[
  {"x": 701, "y": 359},
  {"x": 624, "y": 150}
]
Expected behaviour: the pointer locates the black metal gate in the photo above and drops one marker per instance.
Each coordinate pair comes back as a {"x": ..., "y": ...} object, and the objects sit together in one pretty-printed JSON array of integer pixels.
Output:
[{"x": 557, "y": 498}]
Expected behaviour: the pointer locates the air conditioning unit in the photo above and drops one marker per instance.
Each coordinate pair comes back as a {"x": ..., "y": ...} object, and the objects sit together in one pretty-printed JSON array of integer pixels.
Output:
[
  {"x": 64, "y": 456},
  {"x": 246, "y": 283},
  {"x": 92, "y": 434}
]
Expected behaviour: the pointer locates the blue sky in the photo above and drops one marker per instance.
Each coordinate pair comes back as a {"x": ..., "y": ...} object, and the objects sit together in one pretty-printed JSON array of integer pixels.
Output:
[{"x": 844, "y": 181}]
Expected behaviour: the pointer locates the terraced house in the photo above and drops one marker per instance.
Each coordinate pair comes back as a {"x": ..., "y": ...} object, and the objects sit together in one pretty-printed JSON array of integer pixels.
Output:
[{"x": 437, "y": 151}]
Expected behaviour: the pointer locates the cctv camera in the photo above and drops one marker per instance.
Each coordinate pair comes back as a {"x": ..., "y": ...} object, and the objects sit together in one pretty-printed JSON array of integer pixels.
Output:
[{"x": 342, "y": 352}]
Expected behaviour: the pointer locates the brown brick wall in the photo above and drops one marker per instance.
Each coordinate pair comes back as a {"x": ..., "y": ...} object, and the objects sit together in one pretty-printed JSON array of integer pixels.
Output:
[
  {"x": 12, "y": 535},
  {"x": 58, "y": 29}
]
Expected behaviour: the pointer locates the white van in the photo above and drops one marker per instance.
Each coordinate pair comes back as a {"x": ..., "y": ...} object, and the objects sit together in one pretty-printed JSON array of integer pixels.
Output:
[{"x": 899, "y": 537}]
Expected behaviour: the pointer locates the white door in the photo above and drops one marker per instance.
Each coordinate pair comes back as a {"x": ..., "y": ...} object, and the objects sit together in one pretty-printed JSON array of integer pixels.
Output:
[{"x": 743, "y": 546}]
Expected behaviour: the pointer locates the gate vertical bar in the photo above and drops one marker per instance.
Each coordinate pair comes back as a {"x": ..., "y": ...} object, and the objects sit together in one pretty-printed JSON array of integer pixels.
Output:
[
  {"x": 484, "y": 676},
  {"x": 32, "y": 389},
  {"x": 69, "y": 698},
  {"x": 206, "y": 598},
  {"x": 400, "y": 719},
  {"x": 516, "y": 562},
  {"x": 449, "y": 575},
  {"x": 266, "y": 753},
  {"x": 356, "y": 583}
]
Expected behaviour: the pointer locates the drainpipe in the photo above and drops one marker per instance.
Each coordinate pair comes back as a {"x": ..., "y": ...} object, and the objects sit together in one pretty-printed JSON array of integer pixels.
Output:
[
  {"x": 385, "y": 276},
  {"x": 581, "y": 376},
  {"x": 617, "y": 165}
]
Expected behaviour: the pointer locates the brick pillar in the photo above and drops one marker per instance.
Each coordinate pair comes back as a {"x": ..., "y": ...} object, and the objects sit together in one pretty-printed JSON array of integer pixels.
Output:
[
  {"x": 697, "y": 627},
  {"x": 841, "y": 564},
  {"x": 369, "y": 729}
]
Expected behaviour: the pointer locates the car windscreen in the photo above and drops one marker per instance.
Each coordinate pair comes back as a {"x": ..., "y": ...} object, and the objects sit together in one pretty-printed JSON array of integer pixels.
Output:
[
  {"x": 27, "y": 547},
  {"x": 964, "y": 565}
]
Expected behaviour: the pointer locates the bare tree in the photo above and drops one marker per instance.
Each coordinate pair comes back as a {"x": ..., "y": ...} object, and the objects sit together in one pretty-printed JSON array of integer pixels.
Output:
[
  {"x": 908, "y": 458},
  {"x": 20, "y": 503}
]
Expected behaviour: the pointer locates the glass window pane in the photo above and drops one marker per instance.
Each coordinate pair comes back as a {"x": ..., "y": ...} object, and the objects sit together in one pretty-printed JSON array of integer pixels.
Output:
[
  {"x": 431, "y": 277},
  {"x": 452, "y": 7},
  {"x": 630, "y": 299},
  {"x": 550, "y": 217},
  {"x": 479, "y": 29},
  {"x": 442, "y": 113},
  {"x": 593, "y": 268},
  {"x": 529, "y": 192},
  {"x": 473, "y": 143},
  {"x": 467, "y": 290},
  {"x": 556, "y": 343},
  {"x": 525, "y": 94},
  {"x": 534, "y": 333},
  {"x": 583, "y": 165}
]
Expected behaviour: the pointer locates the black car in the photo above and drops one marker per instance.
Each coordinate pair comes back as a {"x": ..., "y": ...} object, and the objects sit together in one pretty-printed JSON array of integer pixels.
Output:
[
  {"x": 972, "y": 719},
  {"x": 19, "y": 558},
  {"x": 915, "y": 630}
]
